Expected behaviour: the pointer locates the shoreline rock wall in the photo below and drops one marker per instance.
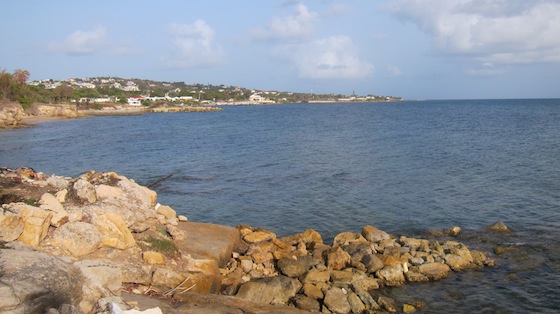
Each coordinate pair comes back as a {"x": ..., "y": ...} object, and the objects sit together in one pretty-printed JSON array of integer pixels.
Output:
[{"x": 108, "y": 237}]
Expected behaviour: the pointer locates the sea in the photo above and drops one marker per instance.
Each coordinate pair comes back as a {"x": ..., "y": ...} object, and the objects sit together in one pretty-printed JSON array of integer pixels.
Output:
[{"x": 404, "y": 167}]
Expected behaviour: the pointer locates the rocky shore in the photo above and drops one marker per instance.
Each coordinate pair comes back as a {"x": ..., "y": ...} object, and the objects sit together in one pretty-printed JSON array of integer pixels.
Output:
[
  {"x": 101, "y": 243},
  {"x": 12, "y": 115}
]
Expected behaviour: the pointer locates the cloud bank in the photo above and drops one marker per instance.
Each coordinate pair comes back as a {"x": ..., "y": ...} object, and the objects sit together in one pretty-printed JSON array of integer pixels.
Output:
[
  {"x": 81, "y": 42},
  {"x": 489, "y": 31},
  {"x": 293, "y": 39},
  {"x": 194, "y": 46}
]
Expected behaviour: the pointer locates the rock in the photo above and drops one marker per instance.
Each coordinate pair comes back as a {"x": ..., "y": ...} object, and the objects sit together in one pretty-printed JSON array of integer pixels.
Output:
[
  {"x": 341, "y": 278},
  {"x": 390, "y": 260},
  {"x": 153, "y": 258},
  {"x": 456, "y": 262},
  {"x": 58, "y": 182},
  {"x": 337, "y": 301},
  {"x": 434, "y": 271},
  {"x": 372, "y": 263},
  {"x": 85, "y": 191},
  {"x": 317, "y": 276},
  {"x": 104, "y": 192},
  {"x": 259, "y": 236},
  {"x": 453, "y": 231},
  {"x": 373, "y": 234},
  {"x": 363, "y": 281},
  {"x": 36, "y": 222},
  {"x": 183, "y": 218},
  {"x": 346, "y": 238},
  {"x": 166, "y": 211},
  {"x": 11, "y": 226},
  {"x": 338, "y": 259},
  {"x": 500, "y": 227},
  {"x": 391, "y": 275},
  {"x": 272, "y": 290},
  {"x": 414, "y": 276},
  {"x": 49, "y": 202},
  {"x": 408, "y": 308},
  {"x": 41, "y": 281},
  {"x": 165, "y": 279},
  {"x": 367, "y": 299},
  {"x": 9, "y": 301},
  {"x": 388, "y": 304},
  {"x": 176, "y": 233},
  {"x": 113, "y": 227},
  {"x": 78, "y": 238},
  {"x": 104, "y": 278},
  {"x": 356, "y": 304},
  {"x": 11, "y": 114},
  {"x": 312, "y": 291},
  {"x": 61, "y": 195},
  {"x": 292, "y": 268},
  {"x": 136, "y": 273},
  {"x": 306, "y": 303}
]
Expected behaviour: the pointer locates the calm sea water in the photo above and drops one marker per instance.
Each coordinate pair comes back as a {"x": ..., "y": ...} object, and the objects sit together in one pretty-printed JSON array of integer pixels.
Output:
[{"x": 403, "y": 167}]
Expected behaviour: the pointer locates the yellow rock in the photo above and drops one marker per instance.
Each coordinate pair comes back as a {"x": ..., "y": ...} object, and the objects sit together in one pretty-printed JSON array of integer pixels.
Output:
[{"x": 153, "y": 258}]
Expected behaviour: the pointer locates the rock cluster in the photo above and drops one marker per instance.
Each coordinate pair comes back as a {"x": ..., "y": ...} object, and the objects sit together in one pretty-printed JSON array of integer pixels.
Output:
[
  {"x": 303, "y": 271},
  {"x": 75, "y": 245},
  {"x": 87, "y": 239},
  {"x": 11, "y": 115}
]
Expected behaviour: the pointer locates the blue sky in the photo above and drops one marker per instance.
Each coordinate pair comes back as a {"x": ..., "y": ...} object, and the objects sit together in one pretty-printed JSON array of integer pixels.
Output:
[{"x": 420, "y": 49}]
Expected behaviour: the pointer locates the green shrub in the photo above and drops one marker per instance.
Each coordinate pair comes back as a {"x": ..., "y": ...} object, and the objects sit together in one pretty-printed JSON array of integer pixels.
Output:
[{"x": 161, "y": 245}]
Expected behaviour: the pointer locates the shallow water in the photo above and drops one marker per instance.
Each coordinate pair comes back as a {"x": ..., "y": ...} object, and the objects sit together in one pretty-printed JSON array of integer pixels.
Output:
[{"x": 402, "y": 167}]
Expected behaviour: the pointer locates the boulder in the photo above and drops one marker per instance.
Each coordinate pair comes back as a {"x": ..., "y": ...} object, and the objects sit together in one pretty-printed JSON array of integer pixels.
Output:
[
  {"x": 306, "y": 303},
  {"x": 104, "y": 192},
  {"x": 36, "y": 222},
  {"x": 338, "y": 259},
  {"x": 40, "y": 281},
  {"x": 165, "y": 279},
  {"x": 388, "y": 304},
  {"x": 372, "y": 263},
  {"x": 116, "y": 233},
  {"x": 373, "y": 234},
  {"x": 11, "y": 226},
  {"x": 434, "y": 271},
  {"x": 346, "y": 238},
  {"x": 312, "y": 291},
  {"x": 58, "y": 182},
  {"x": 84, "y": 190},
  {"x": 50, "y": 203},
  {"x": 259, "y": 236},
  {"x": 271, "y": 290},
  {"x": 153, "y": 258},
  {"x": 78, "y": 238},
  {"x": 317, "y": 276},
  {"x": 104, "y": 278},
  {"x": 356, "y": 304},
  {"x": 391, "y": 275},
  {"x": 336, "y": 301},
  {"x": 500, "y": 227},
  {"x": 11, "y": 114},
  {"x": 292, "y": 268},
  {"x": 166, "y": 211}
]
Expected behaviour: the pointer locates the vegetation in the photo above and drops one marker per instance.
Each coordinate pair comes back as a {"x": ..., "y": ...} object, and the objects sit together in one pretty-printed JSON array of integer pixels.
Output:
[
  {"x": 161, "y": 245},
  {"x": 14, "y": 87}
]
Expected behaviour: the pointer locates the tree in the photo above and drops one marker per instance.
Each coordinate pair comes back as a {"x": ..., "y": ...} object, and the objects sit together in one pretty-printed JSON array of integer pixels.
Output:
[{"x": 20, "y": 76}]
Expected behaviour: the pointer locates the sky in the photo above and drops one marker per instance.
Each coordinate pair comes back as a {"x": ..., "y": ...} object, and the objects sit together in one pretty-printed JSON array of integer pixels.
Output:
[{"x": 416, "y": 49}]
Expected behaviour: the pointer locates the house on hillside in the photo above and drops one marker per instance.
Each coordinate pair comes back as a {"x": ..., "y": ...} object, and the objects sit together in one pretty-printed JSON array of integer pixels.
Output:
[{"x": 135, "y": 100}]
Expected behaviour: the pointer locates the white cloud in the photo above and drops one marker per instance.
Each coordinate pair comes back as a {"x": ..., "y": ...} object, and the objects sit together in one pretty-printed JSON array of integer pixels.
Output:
[
  {"x": 489, "y": 31},
  {"x": 485, "y": 70},
  {"x": 297, "y": 26},
  {"x": 336, "y": 10},
  {"x": 194, "y": 46},
  {"x": 331, "y": 58},
  {"x": 82, "y": 42},
  {"x": 393, "y": 70}
]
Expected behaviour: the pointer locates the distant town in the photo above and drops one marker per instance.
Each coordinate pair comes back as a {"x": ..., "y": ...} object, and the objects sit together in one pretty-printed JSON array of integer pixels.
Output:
[{"x": 99, "y": 91}]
